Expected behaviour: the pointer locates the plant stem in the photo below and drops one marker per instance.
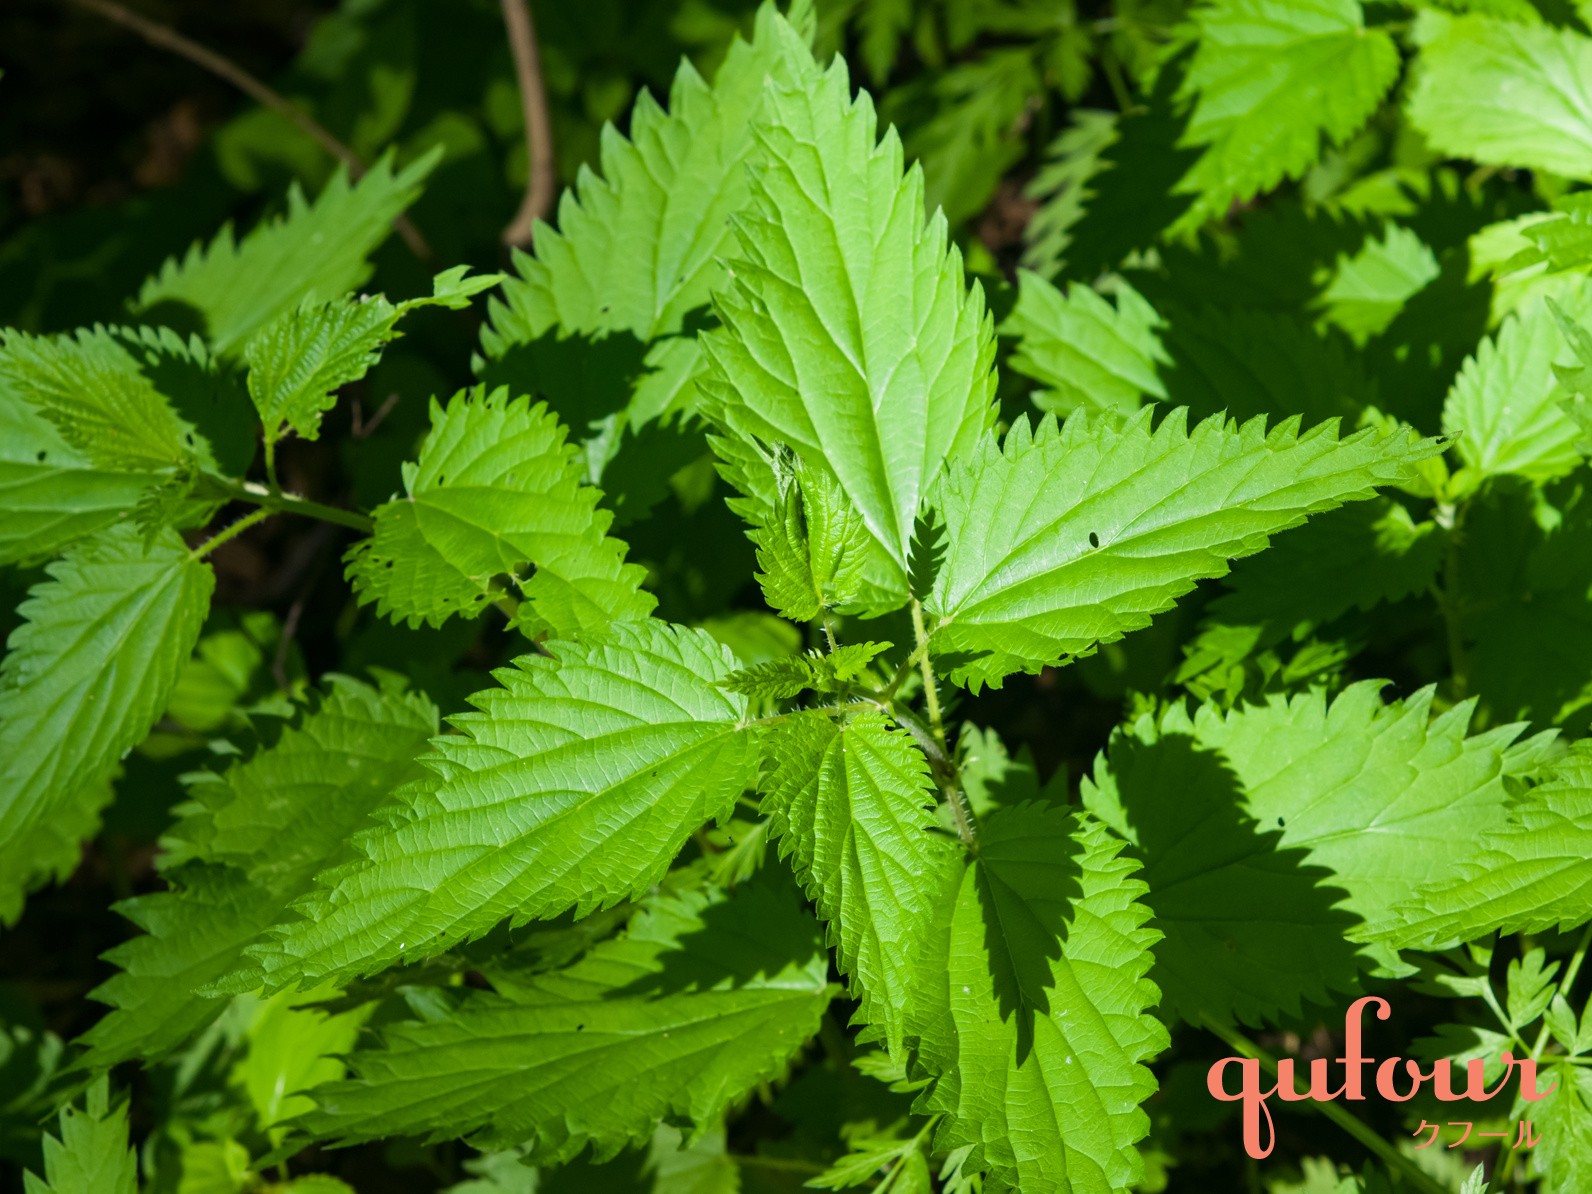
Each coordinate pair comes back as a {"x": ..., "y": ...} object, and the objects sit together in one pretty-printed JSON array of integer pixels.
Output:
[
  {"x": 1389, "y": 1155},
  {"x": 164, "y": 37},
  {"x": 1508, "y": 1156},
  {"x": 934, "y": 742},
  {"x": 538, "y": 200},
  {"x": 251, "y": 519},
  {"x": 284, "y": 503},
  {"x": 931, "y": 690},
  {"x": 1452, "y": 518},
  {"x": 781, "y": 1164}
]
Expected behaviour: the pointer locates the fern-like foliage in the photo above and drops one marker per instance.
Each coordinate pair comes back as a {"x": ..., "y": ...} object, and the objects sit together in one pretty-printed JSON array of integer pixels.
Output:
[
  {"x": 84, "y": 678},
  {"x": 573, "y": 787},
  {"x": 1032, "y": 1004},
  {"x": 1063, "y": 538},
  {"x": 702, "y": 999},
  {"x": 496, "y": 488}
]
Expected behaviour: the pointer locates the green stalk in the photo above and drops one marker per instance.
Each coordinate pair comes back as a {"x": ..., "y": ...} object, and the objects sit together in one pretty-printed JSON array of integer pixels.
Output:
[
  {"x": 251, "y": 519},
  {"x": 285, "y": 503}
]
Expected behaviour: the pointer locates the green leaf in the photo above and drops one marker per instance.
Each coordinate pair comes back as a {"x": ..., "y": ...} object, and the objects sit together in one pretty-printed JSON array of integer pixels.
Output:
[
  {"x": 496, "y": 488},
  {"x": 1531, "y": 874},
  {"x": 51, "y": 494},
  {"x": 1272, "y": 80},
  {"x": 1033, "y": 1015},
  {"x": 298, "y": 362},
  {"x": 1503, "y": 93},
  {"x": 573, "y": 787},
  {"x": 1062, "y": 539},
  {"x": 785, "y": 677},
  {"x": 1354, "y": 558},
  {"x": 1369, "y": 288},
  {"x": 1062, "y": 188},
  {"x": 849, "y": 333},
  {"x": 1252, "y": 927},
  {"x": 1523, "y": 600},
  {"x": 639, "y": 247},
  {"x": 91, "y": 389},
  {"x": 703, "y": 998},
  {"x": 243, "y": 849},
  {"x": 92, "y": 1155},
  {"x": 1506, "y": 404},
  {"x": 66, "y": 718},
  {"x": 314, "y": 253},
  {"x": 1381, "y": 798},
  {"x": 1085, "y": 352},
  {"x": 852, "y": 805},
  {"x": 1564, "y": 1120},
  {"x": 889, "y": 1162},
  {"x": 813, "y": 549}
]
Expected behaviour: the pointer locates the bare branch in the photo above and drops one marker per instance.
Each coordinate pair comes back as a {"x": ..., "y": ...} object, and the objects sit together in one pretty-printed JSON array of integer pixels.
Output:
[
  {"x": 538, "y": 201},
  {"x": 166, "y": 38}
]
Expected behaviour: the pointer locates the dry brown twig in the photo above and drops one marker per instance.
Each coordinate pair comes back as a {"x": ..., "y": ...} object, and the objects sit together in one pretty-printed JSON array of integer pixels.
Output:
[
  {"x": 538, "y": 200},
  {"x": 166, "y": 38}
]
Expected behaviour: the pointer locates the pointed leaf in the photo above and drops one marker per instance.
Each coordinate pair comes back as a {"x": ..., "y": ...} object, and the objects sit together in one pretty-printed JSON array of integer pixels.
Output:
[
  {"x": 314, "y": 253},
  {"x": 497, "y": 488},
  {"x": 1273, "y": 81},
  {"x": 85, "y": 677},
  {"x": 252, "y": 840},
  {"x": 1035, "y": 1009},
  {"x": 704, "y": 998},
  {"x": 850, "y": 334},
  {"x": 573, "y": 787},
  {"x": 1061, "y": 539},
  {"x": 852, "y": 805}
]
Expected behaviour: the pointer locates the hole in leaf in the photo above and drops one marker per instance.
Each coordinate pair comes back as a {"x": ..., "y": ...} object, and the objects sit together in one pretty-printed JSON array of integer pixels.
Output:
[{"x": 1094, "y": 539}]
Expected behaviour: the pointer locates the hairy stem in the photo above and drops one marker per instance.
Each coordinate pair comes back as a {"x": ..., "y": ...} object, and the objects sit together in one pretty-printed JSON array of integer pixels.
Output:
[
  {"x": 251, "y": 519},
  {"x": 1452, "y": 520},
  {"x": 1389, "y": 1155},
  {"x": 164, "y": 37},
  {"x": 285, "y": 503},
  {"x": 931, "y": 689},
  {"x": 538, "y": 200}
]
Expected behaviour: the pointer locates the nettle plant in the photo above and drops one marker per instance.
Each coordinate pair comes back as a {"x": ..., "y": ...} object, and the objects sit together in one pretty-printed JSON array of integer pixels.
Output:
[{"x": 644, "y": 879}]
